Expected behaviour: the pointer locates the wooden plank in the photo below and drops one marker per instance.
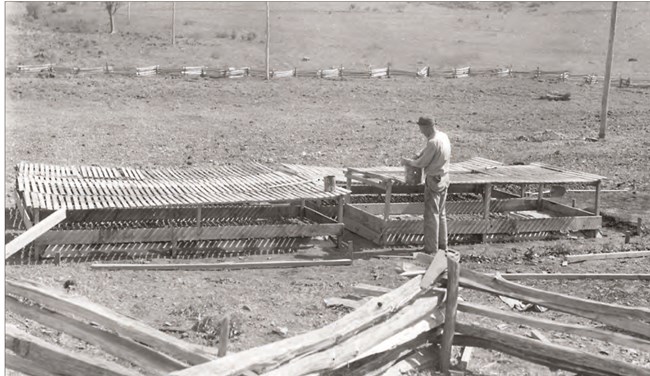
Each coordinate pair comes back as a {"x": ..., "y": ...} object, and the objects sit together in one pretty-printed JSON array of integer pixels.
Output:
[
  {"x": 265, "y": 357},
  {"x": 33, "y": 233},
  {"x": 24, "y": 216},
  {"x": 124, "y": 326},
  {"x": 434, "y": 270},
  {"x": 465, "y": 358},
  {"x": 583, "y": 331},
  {"x": 363, "y": 231},
  {"x": 563, "y": 276},
  {"x": 113, "y": 344},
  {"x": 550, "y": 355},
  {"x": 342, "y": 353},
  {"x": 27, "y": 367},
  {"x": 223, "y": 265},
  {"x": 369, "y": 290},
  {"x": 564, "y": 209},
  {"x": 131, "y": 235},
  {"x": 363, "y": 217},
  {"x": 626, "y": 318},
  {"x": 315, "y": 216},
  {"x": 607, "y": 256},
  {"x": 59, "y": 361},
  {"x": 377, "y": 363}
]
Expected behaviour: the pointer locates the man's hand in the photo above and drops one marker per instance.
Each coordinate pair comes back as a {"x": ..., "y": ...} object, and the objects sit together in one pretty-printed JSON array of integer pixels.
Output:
[{"x": 406, "y": 161}]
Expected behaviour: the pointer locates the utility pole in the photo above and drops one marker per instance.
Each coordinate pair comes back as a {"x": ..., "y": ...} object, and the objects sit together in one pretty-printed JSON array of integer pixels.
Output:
[
  {"x": 268, "y": 39},
  {"x": 173, "y": 23},
  {"x": 608, "y": 72}
]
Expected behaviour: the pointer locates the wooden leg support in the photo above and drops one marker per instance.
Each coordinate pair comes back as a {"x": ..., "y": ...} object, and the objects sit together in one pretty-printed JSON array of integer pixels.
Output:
[{"x": 453, "y": 275}]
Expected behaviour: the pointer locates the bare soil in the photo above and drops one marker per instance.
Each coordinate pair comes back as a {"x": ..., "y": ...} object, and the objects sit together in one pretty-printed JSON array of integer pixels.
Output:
[{"x": 172, "y": 121}]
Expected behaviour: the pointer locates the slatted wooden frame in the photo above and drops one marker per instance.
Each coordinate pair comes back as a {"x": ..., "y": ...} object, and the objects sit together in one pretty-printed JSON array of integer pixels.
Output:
[
  {"x": 133, "y": 210},
  {"x": 376, "y": 221}
]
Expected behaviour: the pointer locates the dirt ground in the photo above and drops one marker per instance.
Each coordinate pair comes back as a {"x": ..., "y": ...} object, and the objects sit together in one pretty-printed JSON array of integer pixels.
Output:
[{"x": 172, "y": 121}]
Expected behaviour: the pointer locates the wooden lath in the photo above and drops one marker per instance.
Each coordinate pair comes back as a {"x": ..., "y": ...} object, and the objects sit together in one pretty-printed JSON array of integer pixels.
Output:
[{"x": 50, "y": 187}]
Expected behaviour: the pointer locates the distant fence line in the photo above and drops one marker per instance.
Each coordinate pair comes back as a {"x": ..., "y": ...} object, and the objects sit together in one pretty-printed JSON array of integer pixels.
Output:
[{"x": 329, "y": 73}]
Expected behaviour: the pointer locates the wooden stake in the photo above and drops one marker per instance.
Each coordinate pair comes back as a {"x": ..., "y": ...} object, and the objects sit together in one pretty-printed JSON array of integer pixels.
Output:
[
  {"x": 173, "y": 23},
  {"x": 638, "y": 226},
  {"x": 453, "y": 276},
  {"x": 224, "y": 333},
  {"x": 389, "y": 191},
  {"x": 487, "y": 197},
  {"x": 608, "y": 72},
  {"x": 268, "y": 39},
  {"x": 597, "y": 199},
  {"x": 627, "y": 237},
  {"x": 540, "y": 197}
]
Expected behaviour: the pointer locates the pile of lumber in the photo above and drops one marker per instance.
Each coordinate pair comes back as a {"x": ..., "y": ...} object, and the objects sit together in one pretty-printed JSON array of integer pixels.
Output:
[{"x": 388, "y": 332}]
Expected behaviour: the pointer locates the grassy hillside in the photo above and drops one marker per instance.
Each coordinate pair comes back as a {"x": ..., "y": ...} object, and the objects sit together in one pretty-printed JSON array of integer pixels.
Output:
[{"x": 565, "y": 35}]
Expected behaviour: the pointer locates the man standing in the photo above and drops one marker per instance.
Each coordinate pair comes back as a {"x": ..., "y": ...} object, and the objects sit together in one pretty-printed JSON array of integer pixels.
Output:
[{"x": 434, "y": 158}]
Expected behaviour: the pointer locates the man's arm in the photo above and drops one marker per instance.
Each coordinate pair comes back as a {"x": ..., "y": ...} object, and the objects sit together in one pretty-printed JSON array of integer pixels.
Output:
[{"x": 426, "y": 156}]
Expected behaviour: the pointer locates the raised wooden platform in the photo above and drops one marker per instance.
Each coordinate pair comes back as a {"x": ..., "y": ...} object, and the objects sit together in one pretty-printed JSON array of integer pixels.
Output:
[
  {"x": 121, "y": 209},
  {"x": 390, "y": 223}
]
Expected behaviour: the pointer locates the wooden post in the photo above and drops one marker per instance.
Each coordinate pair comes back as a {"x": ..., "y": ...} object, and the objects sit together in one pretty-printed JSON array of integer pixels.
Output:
[
  {"x": 597, "y": 199},
  {"x": 453, "y": 275},
  {"x": 224, "y": 333},
  {"x": 341, "y": 206},
  {"x": 608, "y": 71},
  {"x": 540, "y": 196},
  {"x": 57, "y": 258},
  {"x": 199, "y": 219},
  {"x": 487, "y": 197},
  {"x": 638, "y": 226},
  {"x": 268, "y": 39},
  {"x": 329, "y": 183},
  {"x": 627, "y": 237},
  {"x": 573, "y": 203},
  {"x": 523, "y": 190},
  {"x": 174, "y": 250},
  {"x": 389, "y": 191},
  {"x": 173, "y": 23}
]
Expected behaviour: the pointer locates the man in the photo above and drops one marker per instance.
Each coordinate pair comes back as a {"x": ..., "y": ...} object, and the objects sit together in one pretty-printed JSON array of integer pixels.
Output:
[{"x": 434, "y": 158}]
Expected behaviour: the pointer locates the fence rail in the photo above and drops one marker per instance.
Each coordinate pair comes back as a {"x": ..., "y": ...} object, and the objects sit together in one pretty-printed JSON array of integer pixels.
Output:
[{"x": 330, "y": 73}]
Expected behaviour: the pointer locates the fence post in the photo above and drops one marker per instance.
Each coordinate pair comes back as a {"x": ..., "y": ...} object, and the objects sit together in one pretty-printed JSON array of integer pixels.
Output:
[{"x": 608, "y": 71}]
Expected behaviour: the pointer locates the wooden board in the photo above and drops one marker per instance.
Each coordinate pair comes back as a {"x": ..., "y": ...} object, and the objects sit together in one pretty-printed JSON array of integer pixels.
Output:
[
  {"x": 223, "y": 265},
  {"x": 124, "y": 326},
  {"x": 59, "y": 361},
  {"x": 607, "y": 256},
  {"x": 551, "y": 355},
  {"x": 34, "y": 232},
  {"x": 95, "y": 236},
  {"x": 120, "y": 347}
]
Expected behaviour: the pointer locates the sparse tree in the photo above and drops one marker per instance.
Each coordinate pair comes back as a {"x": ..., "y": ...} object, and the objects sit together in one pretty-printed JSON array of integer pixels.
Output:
[{"x": 111, "y": 8}]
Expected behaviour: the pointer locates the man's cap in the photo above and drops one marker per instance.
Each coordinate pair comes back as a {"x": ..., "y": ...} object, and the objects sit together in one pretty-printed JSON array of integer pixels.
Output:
[{"x": 425, "y": 121}]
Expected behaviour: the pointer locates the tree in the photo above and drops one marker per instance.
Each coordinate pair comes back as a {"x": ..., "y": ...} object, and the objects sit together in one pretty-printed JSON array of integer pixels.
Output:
[{"x": 111, "y": 8}]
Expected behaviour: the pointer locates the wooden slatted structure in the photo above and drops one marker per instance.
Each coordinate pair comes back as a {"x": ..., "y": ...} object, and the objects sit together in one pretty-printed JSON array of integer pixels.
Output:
[
  {"x": 139, "y": 208},
  {"x": 509, "y": 215}
]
